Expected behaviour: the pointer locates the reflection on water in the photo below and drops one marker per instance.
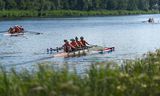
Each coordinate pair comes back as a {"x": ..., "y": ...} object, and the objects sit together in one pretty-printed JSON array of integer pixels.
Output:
[{"x": 127, "y": 34}]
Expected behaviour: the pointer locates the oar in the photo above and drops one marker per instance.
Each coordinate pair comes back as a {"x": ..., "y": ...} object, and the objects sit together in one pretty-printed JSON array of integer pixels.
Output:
[
  {"x": 36, "y": 60},
  {"x": 57, "y": 49},
  {"x": 32, "y": 32},
  {"x": 3, "y": 31}
]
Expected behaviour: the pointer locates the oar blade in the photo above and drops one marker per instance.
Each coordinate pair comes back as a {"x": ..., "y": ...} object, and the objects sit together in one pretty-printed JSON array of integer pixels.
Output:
[
  {"x": 32, "y": 32},
  {"x": 3, "y": 31}
]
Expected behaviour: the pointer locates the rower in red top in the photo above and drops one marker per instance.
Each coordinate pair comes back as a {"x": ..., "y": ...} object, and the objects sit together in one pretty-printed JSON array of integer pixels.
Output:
[
  {"x": 83, "y": 42},
  {"x": 78, "y": 42},
  {"x": 73, "y": 45},
  {"x": 66, "y": 46},
  {"x": 17, "y": 29},
  {"x": 11, "y": 30}
]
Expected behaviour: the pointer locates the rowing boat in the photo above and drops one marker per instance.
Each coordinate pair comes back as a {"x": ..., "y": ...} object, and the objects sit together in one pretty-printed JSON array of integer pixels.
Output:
[
  {"x": 86, "y": 51},
  {"x": 13, "y": 34},
  {"x": 150, "y": 22},
  {"x": 21, "y": 33}
]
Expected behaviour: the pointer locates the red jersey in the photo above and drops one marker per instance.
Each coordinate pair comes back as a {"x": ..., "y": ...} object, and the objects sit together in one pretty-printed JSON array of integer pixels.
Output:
[
  {"x": 66, "y": 47},
  {"x": 73, "y": 44},
  {"x": 11, "y": 30},
  {"x": 83, "y": 42},
  {"x": 78, "y": 43},
  {"x": 17, "y": 29}
]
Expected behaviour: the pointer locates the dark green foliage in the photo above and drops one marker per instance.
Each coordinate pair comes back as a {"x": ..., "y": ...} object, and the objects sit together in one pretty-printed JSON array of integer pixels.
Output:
[
  {"x": 59, "y": 13},
  {"x": 69, "y": 13},
  {"x": 59, "y": 8},
  {"x": 42, "y": 5}
]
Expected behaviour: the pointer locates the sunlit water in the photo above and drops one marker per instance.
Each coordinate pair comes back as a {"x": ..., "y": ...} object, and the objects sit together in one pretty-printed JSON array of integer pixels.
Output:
[{"x": 127, "y": 34}]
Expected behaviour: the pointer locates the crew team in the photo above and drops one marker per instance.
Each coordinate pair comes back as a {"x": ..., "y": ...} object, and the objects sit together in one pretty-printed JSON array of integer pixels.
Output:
[
  {"x": 16, "y": 29},
  {"x": 75, "y": 44}
]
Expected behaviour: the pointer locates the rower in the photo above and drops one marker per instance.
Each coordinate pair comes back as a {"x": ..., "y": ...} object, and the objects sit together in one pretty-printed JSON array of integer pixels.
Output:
[
  {"x": 151, "y": 20},
  {"x": 66, "y": 46},
  {"x": 73, "y": 45},
  {"x": 17, "y": 29},
  {"x": 11, "y": 30},
  {"x": 83, "y": 42},
  {"x": 78, "y": 42},
  {"x": 22, "y": 29}
]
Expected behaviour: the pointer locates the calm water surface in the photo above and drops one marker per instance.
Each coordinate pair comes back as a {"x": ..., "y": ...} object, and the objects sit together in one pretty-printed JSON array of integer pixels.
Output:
[{"x": 127, "y": 34}]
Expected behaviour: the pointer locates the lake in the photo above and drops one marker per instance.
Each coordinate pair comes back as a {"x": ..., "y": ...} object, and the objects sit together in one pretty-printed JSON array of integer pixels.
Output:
[{"x": 130, "y": 37}]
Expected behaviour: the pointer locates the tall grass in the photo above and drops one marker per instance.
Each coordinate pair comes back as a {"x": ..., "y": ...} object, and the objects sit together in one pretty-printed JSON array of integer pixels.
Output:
[
  {"x": 18, "y": 13},
  {"x": 69, "y": 13},
  {"x": 139, "y": 77}
]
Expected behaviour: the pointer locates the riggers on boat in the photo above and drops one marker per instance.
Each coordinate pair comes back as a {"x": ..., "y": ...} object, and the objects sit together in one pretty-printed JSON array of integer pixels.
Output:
[
  {"x": 15, "y": 34},
  {"x": 87, "y": 51}
]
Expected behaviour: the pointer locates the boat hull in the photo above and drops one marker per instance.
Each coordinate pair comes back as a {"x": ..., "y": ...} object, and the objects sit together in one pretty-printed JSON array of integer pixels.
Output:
[
  {"x": 15, "y": 34},
  {"x": 93, "y": 50}
]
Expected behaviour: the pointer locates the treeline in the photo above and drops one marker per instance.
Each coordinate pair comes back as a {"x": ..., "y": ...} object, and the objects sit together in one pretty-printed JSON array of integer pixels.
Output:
[{"x": 43, "y": 5}]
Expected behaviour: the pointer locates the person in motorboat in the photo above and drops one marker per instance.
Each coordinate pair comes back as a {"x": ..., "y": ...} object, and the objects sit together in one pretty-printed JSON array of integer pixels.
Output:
[{"x": 83, "y": 42}]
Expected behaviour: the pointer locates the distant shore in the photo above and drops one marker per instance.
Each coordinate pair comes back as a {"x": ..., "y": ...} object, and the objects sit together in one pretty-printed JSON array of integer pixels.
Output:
[{"x": 69, "y": 13}]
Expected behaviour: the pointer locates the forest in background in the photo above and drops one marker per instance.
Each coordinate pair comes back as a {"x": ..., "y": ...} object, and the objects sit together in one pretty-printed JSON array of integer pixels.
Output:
[
  {"x": 80, "y": 4},
  {"x": 35, "y": 8}
]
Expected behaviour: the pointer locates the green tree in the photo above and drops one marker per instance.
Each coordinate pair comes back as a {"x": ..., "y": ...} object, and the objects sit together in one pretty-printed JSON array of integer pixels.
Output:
[
  {"x": 96, "y": 4},
  {"x": 2, "y": 5},
  {"x": 103, "y": 4},
  {"x": 154, "y": 4},
  {"x": 11, "y": 4},
  {"x": 132, "y": 5},
  {"x": 112, "y": 4},
  {"x": 143, "y": 4},
  {"x": 43, "y": 5},
  {"x": 122, "y": 4},
  {"x": 21, "y": 4},
  {"x": 80, "y": 4}
]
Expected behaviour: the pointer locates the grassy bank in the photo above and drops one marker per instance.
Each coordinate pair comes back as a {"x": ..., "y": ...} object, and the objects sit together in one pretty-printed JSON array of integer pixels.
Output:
[
  {"x": 135, "y": 78},
  {"x": 68, "y": 13}
]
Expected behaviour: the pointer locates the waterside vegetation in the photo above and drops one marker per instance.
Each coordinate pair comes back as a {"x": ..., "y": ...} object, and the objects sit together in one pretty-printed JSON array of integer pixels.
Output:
[
  {"x": 140, "y": 77},
  {"x": 62, "y": 8},
  {"x": 69, "y": 13}
]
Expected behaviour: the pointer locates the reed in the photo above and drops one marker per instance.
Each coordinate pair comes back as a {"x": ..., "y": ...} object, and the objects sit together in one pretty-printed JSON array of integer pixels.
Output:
[{"x": 140, "y": 77}]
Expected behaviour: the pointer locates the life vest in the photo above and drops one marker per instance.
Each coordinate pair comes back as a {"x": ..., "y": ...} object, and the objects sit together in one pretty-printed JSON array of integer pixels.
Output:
[
  {"x": 74, "y": 44},
  {"x": 79, "y": 43},
  {"x": 17, "y": 29}
]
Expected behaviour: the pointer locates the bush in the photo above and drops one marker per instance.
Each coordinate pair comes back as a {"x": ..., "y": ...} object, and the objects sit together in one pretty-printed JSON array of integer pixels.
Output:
[{"x": 139, "y": 77}]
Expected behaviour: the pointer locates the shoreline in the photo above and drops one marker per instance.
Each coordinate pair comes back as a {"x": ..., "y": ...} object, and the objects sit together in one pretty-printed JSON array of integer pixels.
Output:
[{"x": 20, "y": 14}]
